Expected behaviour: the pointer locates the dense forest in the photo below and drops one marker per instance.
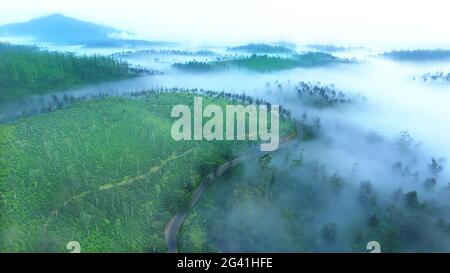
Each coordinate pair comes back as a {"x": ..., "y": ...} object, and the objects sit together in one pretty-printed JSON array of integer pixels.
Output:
[
  {"x": 169, "y": 52},
  {"x": 262, "y": 48},
  {"x": 262, "y": 63},
  {"x": 26, "y": 70},
  {"x": 418, "y": 55},
  {"x": 327, "y": 48}
]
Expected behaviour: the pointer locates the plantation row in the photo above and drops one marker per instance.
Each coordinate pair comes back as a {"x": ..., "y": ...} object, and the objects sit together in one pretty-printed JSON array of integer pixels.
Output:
[
  {"x": 49, "y": 103},
  {"x": 103, "y": 172}
]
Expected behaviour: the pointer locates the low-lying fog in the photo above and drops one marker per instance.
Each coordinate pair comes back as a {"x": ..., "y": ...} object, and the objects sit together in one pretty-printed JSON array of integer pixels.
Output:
[{"x": 396, "y": 100}]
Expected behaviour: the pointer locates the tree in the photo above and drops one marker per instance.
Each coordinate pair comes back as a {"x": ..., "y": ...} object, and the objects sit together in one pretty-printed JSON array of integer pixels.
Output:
[
  {"x": 336, "y": 182},
  {"x": 299, "y": 161},
  {"x": 373, "y": 221},
  {"x": 405, "y": 142},
  {"x": 429, "y": 183},
  {"x": 374, "y": 137},
  {"x": 397, "y": 167},
  {"x": 435, "y": 167},
  {"x": 411, "y": 200},
  {"x": 264, "y": 161},
  {"x": 442, "y": 225},
  {"x": 286, "y": 157},
  {"x": 329, "y": 232},
  {"x": 397, "y": 195},
  {"x": 366, "y": 192},
  {"x": 358, "y": 238}
]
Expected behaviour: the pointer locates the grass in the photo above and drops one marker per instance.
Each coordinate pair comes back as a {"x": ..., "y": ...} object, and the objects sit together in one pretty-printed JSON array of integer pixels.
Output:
[
  {"x": 105, "y": 173},
  {"x": 262, "y": 63}
]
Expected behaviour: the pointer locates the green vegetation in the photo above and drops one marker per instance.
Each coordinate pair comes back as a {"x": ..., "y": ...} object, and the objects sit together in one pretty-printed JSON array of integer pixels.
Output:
[
  {"x": 418, "y": 55},
  {"x": 317, "y": 95},
  {"x": 436, "y": 77},
  {"x": 290, "y": 202},
  {"x": 262, "y": 49},
  {"x": 146, "y": 52},
  {"x": 328, "y": 48},
  {"x": 262, "y": 63},
  {"x": 104, "y": 172},
  {"x": 117, "y": 43},
  {"x": 26, "y": 71}
]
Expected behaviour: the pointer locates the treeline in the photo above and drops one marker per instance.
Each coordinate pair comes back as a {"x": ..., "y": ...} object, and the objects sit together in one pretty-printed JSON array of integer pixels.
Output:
[
  {"x": 145, "y": 52},
  {"x": 262, "y": 48},
  {"x": 263, "y": 63},
  {"x": 58, "y": 101},
  {"x": 328, "y": 48},
  {"x": 437, "y": 76},
  {"x": 26, "y": 70},
  {"x": 418, "y": 55},
  {"x": 323, "y": 96}
]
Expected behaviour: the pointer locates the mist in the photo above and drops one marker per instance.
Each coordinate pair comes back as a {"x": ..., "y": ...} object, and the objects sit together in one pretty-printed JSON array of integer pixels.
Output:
[
  {"x": 388, "y": 136},
  {"x": 403, "y": 24},
  {"x": 377, "y": 160}
]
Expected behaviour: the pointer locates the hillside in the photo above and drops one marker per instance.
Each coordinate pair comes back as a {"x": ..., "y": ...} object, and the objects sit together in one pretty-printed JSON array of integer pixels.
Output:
[
  {"x": 60, "y": 29},
  {"x": 57, "y": 28},
  {"x": 262, "y": 63},
  {"x": 26, "y": 71},
  {"x": 103, "y": 172}
]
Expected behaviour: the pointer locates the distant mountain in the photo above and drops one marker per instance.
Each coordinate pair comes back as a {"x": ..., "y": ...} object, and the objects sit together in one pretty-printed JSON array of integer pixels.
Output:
[
  {"x": 60, "y": 29},
  {"x": 57, "y": 28},
  {"x": 332, "y": 48},
  {"x": 327, "y": 48}
]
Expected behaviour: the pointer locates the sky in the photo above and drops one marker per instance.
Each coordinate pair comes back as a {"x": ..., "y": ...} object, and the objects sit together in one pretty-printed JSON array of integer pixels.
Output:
[{"x": 384, "y": 23}]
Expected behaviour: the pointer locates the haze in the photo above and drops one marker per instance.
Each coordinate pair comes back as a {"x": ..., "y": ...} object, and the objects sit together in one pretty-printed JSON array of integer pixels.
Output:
[{"x": 399, "y": 24}]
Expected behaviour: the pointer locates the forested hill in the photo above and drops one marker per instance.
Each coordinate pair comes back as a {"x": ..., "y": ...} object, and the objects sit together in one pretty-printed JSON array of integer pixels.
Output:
[
  {"x": 57, "y": 28},
  {"x": 60, "y": 29},
  {"x": 26, "y": 70}
]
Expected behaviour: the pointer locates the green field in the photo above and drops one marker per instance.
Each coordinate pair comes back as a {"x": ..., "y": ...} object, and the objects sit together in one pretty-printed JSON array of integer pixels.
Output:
[
  {"x": 262, "y": 63},
  {"x": 105, "y": 173}
]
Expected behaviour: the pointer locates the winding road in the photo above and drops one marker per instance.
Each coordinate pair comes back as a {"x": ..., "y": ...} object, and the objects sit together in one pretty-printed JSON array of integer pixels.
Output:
[{"x": 174, "y": 225}]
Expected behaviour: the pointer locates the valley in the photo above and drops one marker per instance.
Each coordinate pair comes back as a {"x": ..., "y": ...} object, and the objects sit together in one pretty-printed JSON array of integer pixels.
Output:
[{"x": 88, "y": 154}]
